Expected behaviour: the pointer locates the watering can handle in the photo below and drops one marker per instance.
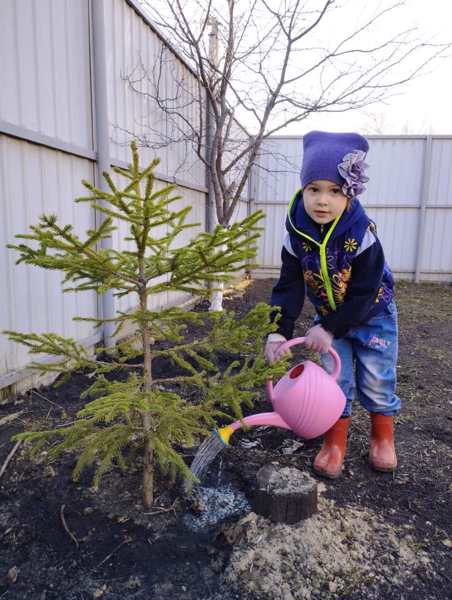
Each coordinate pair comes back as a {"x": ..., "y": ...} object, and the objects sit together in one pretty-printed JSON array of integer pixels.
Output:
[
  {"x": 295, "y": 342},
  {"x": 300, "y": 340}
]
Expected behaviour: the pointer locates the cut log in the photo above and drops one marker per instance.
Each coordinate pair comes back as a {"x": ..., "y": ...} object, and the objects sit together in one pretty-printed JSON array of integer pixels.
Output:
[{"x": 285, "y": 495}]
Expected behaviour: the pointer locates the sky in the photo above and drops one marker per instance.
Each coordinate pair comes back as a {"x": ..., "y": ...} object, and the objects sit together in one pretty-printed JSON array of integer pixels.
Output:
[{"x": 422, "y": 106}]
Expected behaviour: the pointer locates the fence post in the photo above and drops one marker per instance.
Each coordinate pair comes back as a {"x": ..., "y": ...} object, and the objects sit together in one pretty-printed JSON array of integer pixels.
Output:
[
  {"x": 249, "y": 209},
  {"x": 426, "y": 169},
  {"x": 250, "y": 192},
  {"x": 211, "y": 216},
  {"x": 100, "y": 116},
  {"x": 210, "y": 204}
]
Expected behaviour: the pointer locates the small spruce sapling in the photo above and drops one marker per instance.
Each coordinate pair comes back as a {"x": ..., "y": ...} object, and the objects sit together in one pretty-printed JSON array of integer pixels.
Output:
[{"x": 143, "y": 410}]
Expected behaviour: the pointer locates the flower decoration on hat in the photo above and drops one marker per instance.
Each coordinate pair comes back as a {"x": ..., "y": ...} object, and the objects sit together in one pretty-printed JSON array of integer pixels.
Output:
[{"x": 352, "y": 170}]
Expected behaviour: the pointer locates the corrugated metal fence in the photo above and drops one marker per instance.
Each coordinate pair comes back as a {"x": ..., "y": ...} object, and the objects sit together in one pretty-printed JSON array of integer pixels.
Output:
[
  {"x": 409, "y": 196},
  {"x": 56, "y": 92}
]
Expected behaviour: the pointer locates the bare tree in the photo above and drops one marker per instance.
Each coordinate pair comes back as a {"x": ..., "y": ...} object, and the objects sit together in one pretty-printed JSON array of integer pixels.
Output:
[{"x": 267, "y": 64}]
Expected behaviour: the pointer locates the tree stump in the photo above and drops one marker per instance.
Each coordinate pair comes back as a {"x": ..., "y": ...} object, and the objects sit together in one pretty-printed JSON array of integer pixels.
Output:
[{"x": 285, "y": 495}]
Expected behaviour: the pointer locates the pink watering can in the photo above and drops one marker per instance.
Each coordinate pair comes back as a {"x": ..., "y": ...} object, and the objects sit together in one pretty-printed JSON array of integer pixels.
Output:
[{"x": 306, "y": 400}]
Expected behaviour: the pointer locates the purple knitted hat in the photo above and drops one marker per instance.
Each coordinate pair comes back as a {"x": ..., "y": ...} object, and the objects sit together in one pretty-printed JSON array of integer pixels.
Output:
[{"x": 337, "y": 157}]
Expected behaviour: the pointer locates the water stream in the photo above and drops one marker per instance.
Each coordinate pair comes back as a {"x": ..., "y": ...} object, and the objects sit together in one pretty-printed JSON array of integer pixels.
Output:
[{"x": 206, "y": 454}]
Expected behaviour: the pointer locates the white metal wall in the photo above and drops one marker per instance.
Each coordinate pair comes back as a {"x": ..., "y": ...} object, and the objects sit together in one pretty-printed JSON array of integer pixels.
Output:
[
  {"x": 36, "y": 180},
  {"x": 437, "y": 240},
  {"x": 46, "y": 98},
  {"x": 47, "y": 146},
  {"x": 134, "y": 51},
  {"x": 409, "y": 195},
  {"x": 45, "y": 74}
]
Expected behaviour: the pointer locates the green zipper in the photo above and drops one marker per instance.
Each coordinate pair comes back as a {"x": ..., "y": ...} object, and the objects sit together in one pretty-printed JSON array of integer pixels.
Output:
[{"x": 322, "y": 251}]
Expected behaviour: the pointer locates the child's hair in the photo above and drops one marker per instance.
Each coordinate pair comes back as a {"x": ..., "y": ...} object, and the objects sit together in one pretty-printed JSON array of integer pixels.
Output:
[{"x": 337, "y": 157}]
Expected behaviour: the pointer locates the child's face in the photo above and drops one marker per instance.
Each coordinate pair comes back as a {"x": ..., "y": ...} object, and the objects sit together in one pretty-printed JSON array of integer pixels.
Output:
[{"x": 324, "y": 201}]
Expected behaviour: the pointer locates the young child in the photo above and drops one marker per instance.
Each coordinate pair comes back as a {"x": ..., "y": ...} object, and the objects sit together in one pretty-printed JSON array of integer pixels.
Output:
[{"x": 331, "y": 250}]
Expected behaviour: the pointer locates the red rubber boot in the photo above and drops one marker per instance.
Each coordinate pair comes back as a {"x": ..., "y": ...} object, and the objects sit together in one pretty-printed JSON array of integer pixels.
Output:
[
  {"x": 382, "y": 454},
  {"x": 330, "y": 458}
]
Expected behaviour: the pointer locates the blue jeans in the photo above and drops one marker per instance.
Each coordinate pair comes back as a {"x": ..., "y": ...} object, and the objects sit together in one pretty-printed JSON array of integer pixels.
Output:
[{"x": 368, "y": 355}]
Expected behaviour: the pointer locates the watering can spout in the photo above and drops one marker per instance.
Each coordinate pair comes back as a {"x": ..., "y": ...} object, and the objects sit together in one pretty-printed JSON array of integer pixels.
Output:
[
  {"x": 224, "y": 433},
  {"x": 269, "y": 418}
]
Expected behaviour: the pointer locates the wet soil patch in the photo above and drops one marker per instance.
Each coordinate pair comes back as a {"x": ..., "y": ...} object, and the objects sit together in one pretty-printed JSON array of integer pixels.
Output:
[{"x": 60, "y": 539}]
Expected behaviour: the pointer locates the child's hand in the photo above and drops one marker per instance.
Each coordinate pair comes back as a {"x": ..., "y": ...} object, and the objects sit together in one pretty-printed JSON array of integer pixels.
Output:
[
  {"x": 274, "y": 342},
  {"x": 318, "y": 339}
]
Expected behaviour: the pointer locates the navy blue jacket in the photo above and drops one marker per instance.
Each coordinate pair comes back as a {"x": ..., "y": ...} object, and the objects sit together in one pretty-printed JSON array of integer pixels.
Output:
[{"x": 341, "y": 267}]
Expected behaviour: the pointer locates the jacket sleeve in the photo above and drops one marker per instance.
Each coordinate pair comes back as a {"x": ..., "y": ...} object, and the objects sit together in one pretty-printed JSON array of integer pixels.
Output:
[
  {"x": 289, "y": 293},
  {"x": 367, "y": 273}
]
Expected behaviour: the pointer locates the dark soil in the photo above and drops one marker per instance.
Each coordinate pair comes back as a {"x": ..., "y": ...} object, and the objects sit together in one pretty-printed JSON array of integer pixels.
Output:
[{"x": 63, "y": 540}]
